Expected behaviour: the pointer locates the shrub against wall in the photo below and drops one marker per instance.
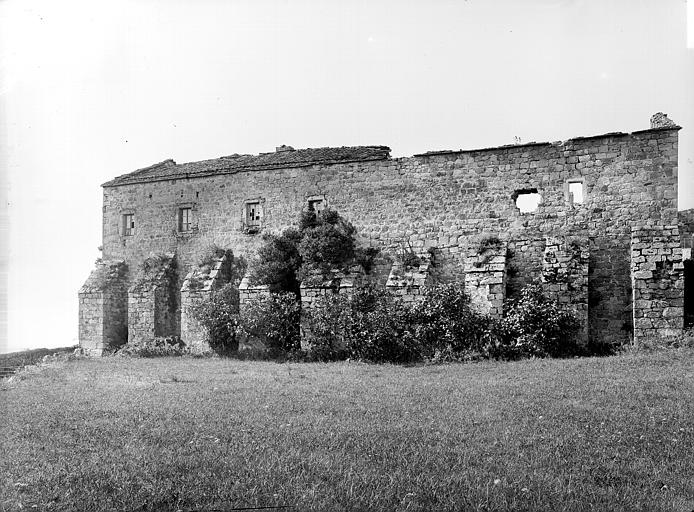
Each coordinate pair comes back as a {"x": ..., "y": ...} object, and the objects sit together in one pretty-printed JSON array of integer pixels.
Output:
[
  {"x": 274, "y": 319},
  {"x": 160, "y": 346},
  {"x": 219, "y": 314},
  {"x": 321, "y": 244},
  {"x": 278, "y": 262},
  {"x": 371, "y": 325},
  {"x": 536, "y": 326},
  {"x": 368, "y": 324},
  {"x": 445, "y": 322}
]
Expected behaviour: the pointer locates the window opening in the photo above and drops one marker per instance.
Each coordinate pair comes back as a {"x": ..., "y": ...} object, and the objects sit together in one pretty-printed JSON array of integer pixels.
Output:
[
  {"x": 576, "y": 192},
  {"x": 315, "y": 205},
  {"x": 253, "y": 214},
  {"x": 527, "y": 200},
  {"x": 184, "y": 219},
  {"x": 128, "y": 224}
]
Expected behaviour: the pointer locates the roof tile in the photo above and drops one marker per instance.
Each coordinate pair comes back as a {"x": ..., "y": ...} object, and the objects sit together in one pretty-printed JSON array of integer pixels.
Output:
[{"x": 168, "y": 169}]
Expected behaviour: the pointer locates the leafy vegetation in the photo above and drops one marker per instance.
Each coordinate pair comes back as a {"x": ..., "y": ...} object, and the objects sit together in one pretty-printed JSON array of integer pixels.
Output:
[
  {"x": 159, "y": 346},
  {"x": 367, "y": 324},
  {"x": 322, "y": 244},
  {"x": 371, "y": 325},
  {"x": 219, "y": 314},
  {"x": 274, "y": 319},
  {"x": 536, "y": 326}
]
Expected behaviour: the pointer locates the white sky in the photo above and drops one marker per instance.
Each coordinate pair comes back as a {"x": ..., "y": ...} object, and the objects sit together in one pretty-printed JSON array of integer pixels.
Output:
[{"x": 90, "y": 90}]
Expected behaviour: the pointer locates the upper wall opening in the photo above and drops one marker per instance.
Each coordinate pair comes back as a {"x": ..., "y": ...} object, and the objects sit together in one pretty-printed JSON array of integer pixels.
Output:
[{"x": 527, "y": 200}]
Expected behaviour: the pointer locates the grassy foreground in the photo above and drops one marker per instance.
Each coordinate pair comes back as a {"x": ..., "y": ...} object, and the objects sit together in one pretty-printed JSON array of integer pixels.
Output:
[{"x": 204, "y": 434}]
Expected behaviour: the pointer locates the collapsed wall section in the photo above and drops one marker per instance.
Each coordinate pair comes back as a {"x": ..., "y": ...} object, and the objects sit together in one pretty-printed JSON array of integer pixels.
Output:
[
  {"x": 657, "y": 281},
  {"x": 103, "y": 308},
  {"x": 485, "y": 278},
  {"x": 408, "y": 279},
  {"x": 153, "y": 309},
  {"x": 565, "y": 276}
]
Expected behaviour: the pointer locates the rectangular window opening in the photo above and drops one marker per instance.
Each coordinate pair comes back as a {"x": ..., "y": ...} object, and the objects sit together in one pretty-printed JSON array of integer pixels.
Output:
[
  {"x": 315, "y": 205},
  {"x": 128, "y": 224},
  {"x": 576, "y": 192},
  {"x": 253, "y": 214},
  {"x": 184, "y": 219}
]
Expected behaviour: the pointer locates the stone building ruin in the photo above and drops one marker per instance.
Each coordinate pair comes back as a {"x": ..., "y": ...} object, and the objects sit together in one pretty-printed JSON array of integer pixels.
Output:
[{"x": 594, "y": 219}]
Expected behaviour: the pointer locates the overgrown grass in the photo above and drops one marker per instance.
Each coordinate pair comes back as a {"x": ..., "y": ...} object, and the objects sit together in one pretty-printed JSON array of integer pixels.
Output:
[
  {"x": 602, "y": 434},
  {"x": 27, "y": 357}
]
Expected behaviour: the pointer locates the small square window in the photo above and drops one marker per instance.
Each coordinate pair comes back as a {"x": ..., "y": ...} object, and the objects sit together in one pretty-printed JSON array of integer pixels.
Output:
[
  {"x": 185, "y": 219},
  {"x": 316, "y": 205},
  {"x": 128, "y": 224},
  {"x": 576, "y": 192},
  {"x": 253, "y": 215}
]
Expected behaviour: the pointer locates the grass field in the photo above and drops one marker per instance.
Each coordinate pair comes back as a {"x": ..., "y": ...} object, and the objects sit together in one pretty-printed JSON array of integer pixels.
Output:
[
  {"x": 602, "y": 434},
  {"x": 26, "y": 357}
]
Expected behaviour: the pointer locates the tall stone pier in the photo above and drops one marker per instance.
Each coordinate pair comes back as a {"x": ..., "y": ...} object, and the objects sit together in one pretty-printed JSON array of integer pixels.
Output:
[
  {"x": 103, "y": 309},
  {"x": 657, "y": 275}
]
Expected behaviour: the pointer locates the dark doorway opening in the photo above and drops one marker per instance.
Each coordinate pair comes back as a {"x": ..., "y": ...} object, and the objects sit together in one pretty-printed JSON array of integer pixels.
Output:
[{"x": 688, "y": 293}]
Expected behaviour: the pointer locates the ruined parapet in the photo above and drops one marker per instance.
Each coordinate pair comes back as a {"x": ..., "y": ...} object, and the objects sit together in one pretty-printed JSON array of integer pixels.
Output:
[
  {"x": 248, "y": 292},
  {"x": 657, "y": 281},
  {"x": 317, "y": 285},
  {"x": 660, "y": 120},
  {"x": 199, "y": 285},
  {"x": 565, "y": 276},
  {"x": 153, "y": 300},
  {"x": 485, "y": 278},
  {"x": 103, "y": 308},
  {"x": 408, "y": 282}
]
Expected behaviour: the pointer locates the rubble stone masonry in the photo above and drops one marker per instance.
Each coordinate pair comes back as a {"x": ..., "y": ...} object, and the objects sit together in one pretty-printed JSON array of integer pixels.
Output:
[
  {"x": 103, "y": 308},
  {"x": 657, "y": 281},
  {"x": 438, "y": 202}
]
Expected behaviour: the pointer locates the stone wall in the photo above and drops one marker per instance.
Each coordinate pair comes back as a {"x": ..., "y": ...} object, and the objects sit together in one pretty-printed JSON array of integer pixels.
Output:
[
  {"x": 153, "y": 309},
  {"x": 524, "y": 264},
  {"x": 103, "y": 308},
  {"x": 409, "y": 282},
  {"x": 440, "y": 200},
  {"x": 485, "y": 279},
  {"x": 248, "y": 292},
  {"x": 565, "y": 276},
  {"x": 657, "y": 281}
]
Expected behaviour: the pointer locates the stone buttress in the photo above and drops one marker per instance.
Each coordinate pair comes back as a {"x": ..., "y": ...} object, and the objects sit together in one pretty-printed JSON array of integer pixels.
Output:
[{"x": 103, "y": 308}]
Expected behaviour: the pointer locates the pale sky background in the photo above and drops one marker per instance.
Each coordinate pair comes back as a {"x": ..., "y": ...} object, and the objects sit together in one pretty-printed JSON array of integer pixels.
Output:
[{"x": 90, "y": 90}]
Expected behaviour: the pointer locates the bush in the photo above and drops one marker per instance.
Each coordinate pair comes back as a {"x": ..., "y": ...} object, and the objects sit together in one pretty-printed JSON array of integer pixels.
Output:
[
  {"x": 372, "y": 325},
  {"x": 536, "y": 326},
  {"x": 219, "y": 316},
  {"x": 155, "y": 347},
  {"x": 322, "y": 243},
  {"x": 326, "y": 247},
  {"x": 278, "y": 262},
  {"x": 325, "y": 327},
  {"x": 274, "y": 319},
  {"x": 445, "y": 322},
  {"x": 368, "y": 324}
]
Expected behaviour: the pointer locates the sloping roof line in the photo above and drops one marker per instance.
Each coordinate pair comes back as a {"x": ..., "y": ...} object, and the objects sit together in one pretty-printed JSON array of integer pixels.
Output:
[
  {"x": 284, "y": 159},
  {"x": 560, "y": 143},
  {"x": 168, "y": 169}
]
